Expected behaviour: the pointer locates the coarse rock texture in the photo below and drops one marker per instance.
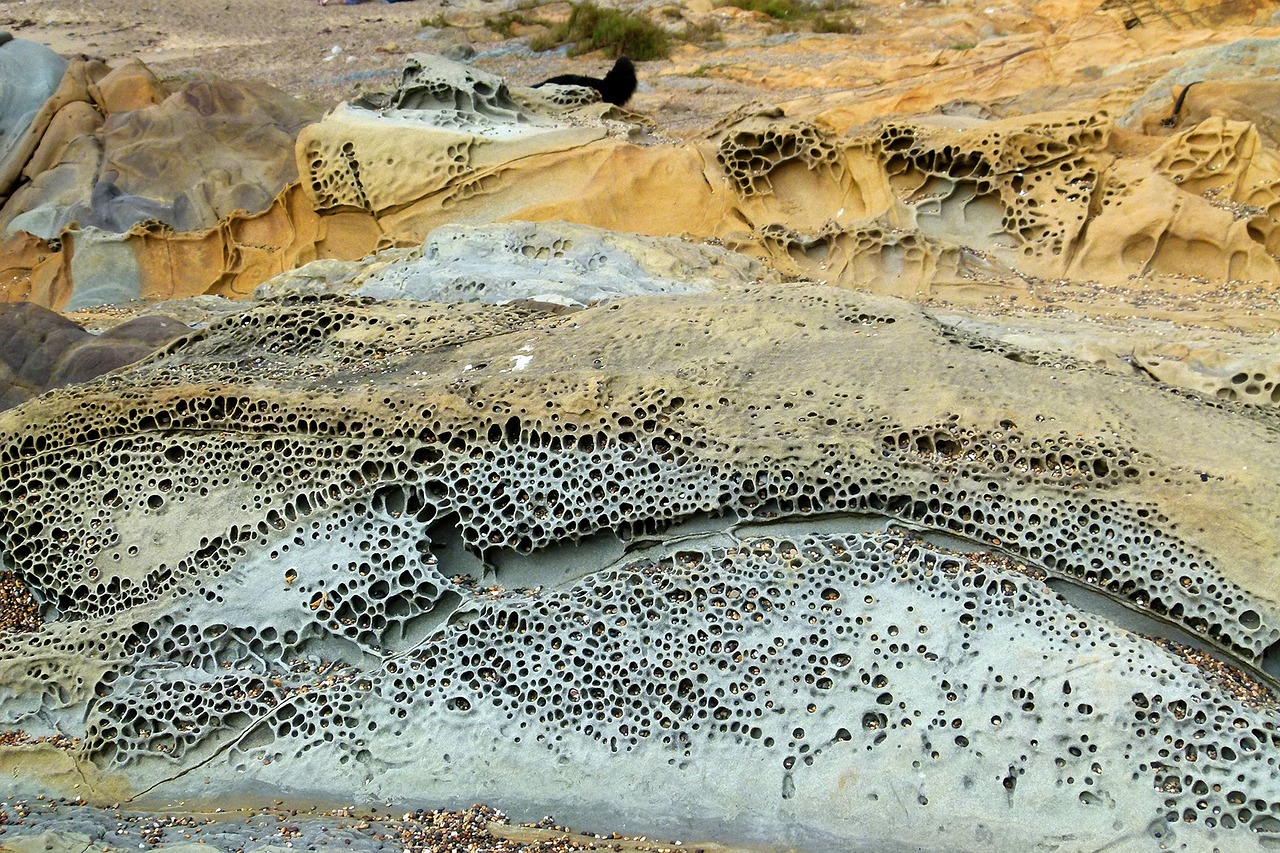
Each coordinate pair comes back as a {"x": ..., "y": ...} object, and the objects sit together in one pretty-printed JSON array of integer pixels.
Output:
[
  {"x": 1060, "y": 209},
  {"x": 646, "y": 563},
  {"x": 554, "y": 262},
  {"x": 864, "y": 442},
  {"x": 121, "y": 149},
  {"x": 40, "y": 349}
]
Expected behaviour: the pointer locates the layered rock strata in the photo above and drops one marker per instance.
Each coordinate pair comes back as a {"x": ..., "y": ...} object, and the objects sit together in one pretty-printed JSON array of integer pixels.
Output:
[
  {"x": 1048, "y": 210},
  {"x": 715, "y": 565}
]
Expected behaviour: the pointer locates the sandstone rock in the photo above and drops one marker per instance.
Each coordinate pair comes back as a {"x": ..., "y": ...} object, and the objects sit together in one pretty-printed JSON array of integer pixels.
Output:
[
  {"x": 187, "y": 160},
  {"x": 40, "y": 350},
  {"x": 776, "y": 562},
  {"x": 443, "y": 122},
  {"x": 1214, "y": 373},
  {"x": 957, "y": 208},
  {"x": 129, "y": 86},
  {"x": 1250, "y": 61},
  {"x": 553, "y": 262},
  {"x": 29, "y": 75},
  {"x": 644, "y": 564},
  {"x": 210, "y": 149}
]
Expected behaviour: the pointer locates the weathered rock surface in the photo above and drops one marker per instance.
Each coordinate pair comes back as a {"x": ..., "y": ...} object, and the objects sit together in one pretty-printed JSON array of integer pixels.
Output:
[
  {"x": 1059, "y": 209},
  {"x": 40, "y": 350},
  {"x": 117, "y": 163},
  {"x": 639, "y": 564},
  {"x": 556, "y": 262},
  {"x": 122, "y": 150},
  {"x": 754, "y": 558},
  {"x": 29, "y": 76}
]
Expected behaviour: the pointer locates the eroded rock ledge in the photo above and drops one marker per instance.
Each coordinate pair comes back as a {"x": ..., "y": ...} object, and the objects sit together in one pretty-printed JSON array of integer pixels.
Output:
[
  {"x": 1065, "y": 208},
  {"x": 771, "y": 563}
]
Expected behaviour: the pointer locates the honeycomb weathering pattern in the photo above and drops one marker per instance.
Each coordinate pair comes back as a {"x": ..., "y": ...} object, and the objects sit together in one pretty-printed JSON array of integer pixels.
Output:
[
  {"x": 1019, "y": 163},
  {"x": 601, "y": 563},
  {"x": 553, "y": 262},
  {"x": 444, "y": 122},
  {"x": 429, "y": 82},
  {"x": 1126, "y": 226},
  {"x": 756, "y": 146}
]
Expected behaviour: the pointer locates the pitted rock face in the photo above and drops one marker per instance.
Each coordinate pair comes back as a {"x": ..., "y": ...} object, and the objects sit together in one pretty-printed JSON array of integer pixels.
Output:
[
  {"x": 443, "y": 122},
  {"x": 997, "y": 184},
  {"x": 434, "y": 83},
  {"x": 752, "y": 149},
  {"x": 554, "y": 262},
  {"x": 601, "y": 563},
  {"x": 1046, "y": 209}
]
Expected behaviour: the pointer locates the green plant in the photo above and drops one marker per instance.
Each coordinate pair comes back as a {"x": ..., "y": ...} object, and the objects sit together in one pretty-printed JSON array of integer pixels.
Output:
[
  {"x": 619, "y": 33},
  {"x": 543, "y": 42},
  {"x": 963, "y": 45},
  {"x": 505, "y": 24},
  {"x": 834, "y": 24},
  {"x": 783, "y": 10},
  {"x": 439, "y": 22},
  {"x": 706, "y": 32},
  {"x": 826, "y": 16}
]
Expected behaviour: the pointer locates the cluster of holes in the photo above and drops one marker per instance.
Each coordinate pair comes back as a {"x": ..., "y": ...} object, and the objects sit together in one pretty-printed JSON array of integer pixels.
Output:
[
  {"x": 749, "y": 154},
  {"x": 849, "y": 649},
  {"x": 467, "y": 189},
  {"x": 567, "y": 96},
  {"x": 335, "y": 176},
  {"x": 166, "y": 719},
  {"x": 1250, "y": 386},
  {"x": 1220, "y": 735},
  {"x": 800, "y": 650},
  {"x": 343, "y": 330},
  {"x": 372, "y": 601},
  {"x": 556, "y": 249},
  {"x": 887, "y": 249},
  {"x": 335, "y": 173},
  {"x": 1042, "y": 172},
  {"x": 456, "y": 95},
  {"x": 529, "y": 478},
  {"x": 438, "y": 94},
  {"x": 867, "y": 318},
  {"x": 982, "y": 343},
  {"x": 1202, "y": 153},
  {"x": 519, "y": 478},
  {"x": 1013, "y": 457},
  {"x": 214, "y": 646}
]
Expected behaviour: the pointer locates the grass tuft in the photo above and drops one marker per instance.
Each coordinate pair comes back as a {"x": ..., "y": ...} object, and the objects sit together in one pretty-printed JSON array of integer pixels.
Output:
[
  {"x": 783, "y": 10},
  {"x": 826, "y": 16},
  {"x": 834, "y": 24},
  {"x": 591, "y": 27}
]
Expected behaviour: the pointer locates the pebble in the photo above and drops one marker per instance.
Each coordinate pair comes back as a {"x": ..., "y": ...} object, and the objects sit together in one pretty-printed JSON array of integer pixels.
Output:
[{"x": 478, "y": 829}]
